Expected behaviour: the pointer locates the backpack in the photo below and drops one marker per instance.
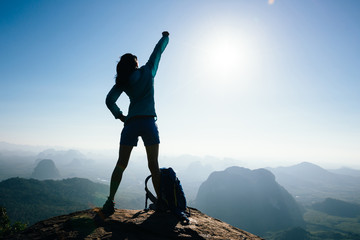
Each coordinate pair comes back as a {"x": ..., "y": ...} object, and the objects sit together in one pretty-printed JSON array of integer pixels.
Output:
[{"x": 172, "y": 195}]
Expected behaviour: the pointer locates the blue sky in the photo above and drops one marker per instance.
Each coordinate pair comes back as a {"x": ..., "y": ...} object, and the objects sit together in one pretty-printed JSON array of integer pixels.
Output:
[{"x": 275, "y": 82}]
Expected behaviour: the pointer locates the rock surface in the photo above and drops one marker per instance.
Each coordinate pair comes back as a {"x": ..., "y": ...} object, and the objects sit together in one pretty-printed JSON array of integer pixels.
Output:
[{"x": 132, "y": 225}]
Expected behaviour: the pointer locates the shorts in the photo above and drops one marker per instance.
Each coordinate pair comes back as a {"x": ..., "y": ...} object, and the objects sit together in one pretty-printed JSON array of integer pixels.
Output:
[{"x": 145, "y": 127}]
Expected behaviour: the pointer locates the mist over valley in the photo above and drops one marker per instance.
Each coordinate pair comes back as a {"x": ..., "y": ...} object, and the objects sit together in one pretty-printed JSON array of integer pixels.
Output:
[{"x": 265, "y": 201}]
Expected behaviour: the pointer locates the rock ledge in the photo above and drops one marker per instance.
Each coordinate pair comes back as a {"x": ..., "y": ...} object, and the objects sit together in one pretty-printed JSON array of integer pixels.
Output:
[{"x": 132, "y": 225}]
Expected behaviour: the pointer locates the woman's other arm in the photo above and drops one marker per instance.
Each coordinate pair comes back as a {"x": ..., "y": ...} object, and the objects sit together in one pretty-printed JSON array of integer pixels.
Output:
[{"x": 110, "y": 101}]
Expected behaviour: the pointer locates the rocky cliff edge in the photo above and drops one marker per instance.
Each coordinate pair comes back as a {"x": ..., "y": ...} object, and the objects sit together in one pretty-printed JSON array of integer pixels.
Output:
[{"x": 132, "y": 225}]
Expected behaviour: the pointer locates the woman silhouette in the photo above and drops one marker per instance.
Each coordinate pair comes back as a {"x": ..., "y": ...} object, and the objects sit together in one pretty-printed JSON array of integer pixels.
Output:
[{"x": 138, "y": 84}]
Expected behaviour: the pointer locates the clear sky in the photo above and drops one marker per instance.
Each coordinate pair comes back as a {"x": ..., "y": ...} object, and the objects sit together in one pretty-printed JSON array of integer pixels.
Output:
[{"x": 275, "y": 81}]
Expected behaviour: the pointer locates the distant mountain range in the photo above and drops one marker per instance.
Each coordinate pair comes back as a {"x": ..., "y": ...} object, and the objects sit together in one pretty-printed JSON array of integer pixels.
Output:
[
  {"x": 70, "y": 163},
  {"x": 346, "y": 171},
  {"x": 309, "y": 183},
  {"x": 251, "y": 200},
  {"x": 29, "y": 200}
]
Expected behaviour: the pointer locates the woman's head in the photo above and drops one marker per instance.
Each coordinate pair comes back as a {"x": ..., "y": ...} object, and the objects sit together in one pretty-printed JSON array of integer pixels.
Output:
[{"x": 126, "y": 66}]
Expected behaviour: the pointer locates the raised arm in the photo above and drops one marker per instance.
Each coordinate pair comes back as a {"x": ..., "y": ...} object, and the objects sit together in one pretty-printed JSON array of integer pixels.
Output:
[
  {"x": 110, "y": 101},
  {"x": 154, "y": 59}
]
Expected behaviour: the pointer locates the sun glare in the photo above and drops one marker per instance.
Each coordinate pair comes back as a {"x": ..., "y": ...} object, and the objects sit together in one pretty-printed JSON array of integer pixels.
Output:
[{"x": 229, "y": 60}]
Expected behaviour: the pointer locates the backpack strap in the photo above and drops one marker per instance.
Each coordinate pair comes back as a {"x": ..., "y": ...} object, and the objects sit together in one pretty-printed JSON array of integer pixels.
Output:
[{"x": 149, "y": 194}]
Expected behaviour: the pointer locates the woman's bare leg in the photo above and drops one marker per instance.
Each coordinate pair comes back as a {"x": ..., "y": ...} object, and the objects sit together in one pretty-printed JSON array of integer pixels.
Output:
[
  {"x": 152, "y": 152},
  {"x": 124, "y": 156}
]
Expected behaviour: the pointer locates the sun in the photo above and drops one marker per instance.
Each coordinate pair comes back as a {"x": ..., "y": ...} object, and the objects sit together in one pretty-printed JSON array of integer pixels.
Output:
[
  {"x": 222, "y": 55},
  {"x": 228, "y": 60}
]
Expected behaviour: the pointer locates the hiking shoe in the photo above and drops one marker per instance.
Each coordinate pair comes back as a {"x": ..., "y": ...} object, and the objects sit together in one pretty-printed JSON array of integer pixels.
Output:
[{"x": 109, "y": 207}]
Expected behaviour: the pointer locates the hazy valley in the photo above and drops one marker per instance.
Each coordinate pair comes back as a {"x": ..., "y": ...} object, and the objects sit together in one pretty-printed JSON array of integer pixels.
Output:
[{"x": 300, "y": 200}]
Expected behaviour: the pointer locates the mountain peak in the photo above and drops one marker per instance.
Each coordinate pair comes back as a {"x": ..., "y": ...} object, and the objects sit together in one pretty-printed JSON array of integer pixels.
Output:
[
  {"x": 132, "y": 224},
  {"x": 307, "y": 168},
  {"x": 308, "y": 165},
  {"x": 242, "y": 196},
  {"x": 46, "y": 169}
]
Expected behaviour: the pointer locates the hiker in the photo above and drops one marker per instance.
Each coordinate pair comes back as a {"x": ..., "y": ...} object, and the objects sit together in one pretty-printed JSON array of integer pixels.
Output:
[{"x": 138, "y": 84}]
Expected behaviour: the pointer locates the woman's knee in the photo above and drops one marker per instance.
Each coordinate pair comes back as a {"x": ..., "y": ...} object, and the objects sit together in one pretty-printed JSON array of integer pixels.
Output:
[
  {"x": 120, "y": 167},
  {"x": 124, "y": 156}
]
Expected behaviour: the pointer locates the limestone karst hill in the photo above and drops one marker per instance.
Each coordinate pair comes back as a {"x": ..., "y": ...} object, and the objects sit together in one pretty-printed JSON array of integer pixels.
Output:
[
  {"x": 46, "y": 169},
  {"x": 134, "y": 225},
  {"x": 249, "y": 199}
]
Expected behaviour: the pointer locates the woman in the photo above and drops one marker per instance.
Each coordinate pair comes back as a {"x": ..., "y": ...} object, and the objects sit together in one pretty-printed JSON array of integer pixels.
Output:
[{"x": 138, "y": 84}]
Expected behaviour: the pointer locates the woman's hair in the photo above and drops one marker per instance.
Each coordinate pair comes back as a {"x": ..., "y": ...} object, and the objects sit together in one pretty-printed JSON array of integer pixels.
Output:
[{"x": 125, "y": 67}]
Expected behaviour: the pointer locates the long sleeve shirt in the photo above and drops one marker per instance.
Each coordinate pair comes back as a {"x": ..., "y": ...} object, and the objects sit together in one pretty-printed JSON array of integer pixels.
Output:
[{"x": 140, "y": 89}]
